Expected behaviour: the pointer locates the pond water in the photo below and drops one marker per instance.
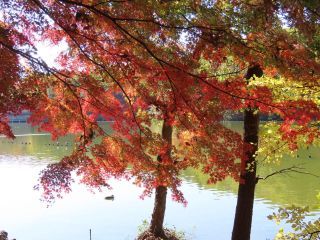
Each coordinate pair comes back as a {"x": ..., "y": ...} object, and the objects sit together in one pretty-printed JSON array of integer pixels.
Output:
[{"x": 208, "y": 215}]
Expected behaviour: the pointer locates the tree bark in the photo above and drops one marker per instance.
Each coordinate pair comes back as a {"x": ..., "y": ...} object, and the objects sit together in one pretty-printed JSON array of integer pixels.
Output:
[
  {"x": 245, "y": 201},
  {"x": 156, "y": 225}
]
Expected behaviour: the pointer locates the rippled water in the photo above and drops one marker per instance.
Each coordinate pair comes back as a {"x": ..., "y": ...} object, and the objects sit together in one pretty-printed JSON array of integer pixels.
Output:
[{"x": 209, "y": 214}]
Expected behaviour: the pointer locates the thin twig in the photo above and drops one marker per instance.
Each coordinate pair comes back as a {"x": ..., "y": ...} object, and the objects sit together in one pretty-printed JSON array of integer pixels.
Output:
[{"x": 292, "y": 169}]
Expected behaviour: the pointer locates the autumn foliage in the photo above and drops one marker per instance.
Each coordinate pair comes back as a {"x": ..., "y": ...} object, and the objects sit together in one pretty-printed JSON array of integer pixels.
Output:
[{"x": 138, "y": 63}]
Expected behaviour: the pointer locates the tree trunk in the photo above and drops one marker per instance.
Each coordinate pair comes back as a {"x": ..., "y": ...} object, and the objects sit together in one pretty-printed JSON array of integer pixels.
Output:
[
  {"x": 244, "y": 209},
  {"x": 156, "y": 225}
]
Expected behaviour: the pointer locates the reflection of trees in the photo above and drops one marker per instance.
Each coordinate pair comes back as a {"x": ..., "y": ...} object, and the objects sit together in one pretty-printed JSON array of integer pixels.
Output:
[
  {"x": 40, "y": 146},
  {"x": 283, "y": 189}
]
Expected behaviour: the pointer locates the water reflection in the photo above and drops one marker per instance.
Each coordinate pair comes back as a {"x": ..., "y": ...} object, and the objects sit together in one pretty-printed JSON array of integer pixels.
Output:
[
  {"x": 209, "y": 214},
  {"x": 282, "y": 189}
]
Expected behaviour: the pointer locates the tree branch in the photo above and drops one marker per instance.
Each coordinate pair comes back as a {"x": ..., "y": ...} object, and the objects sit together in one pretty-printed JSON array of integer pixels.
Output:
[{"x": 292, "y": 169}]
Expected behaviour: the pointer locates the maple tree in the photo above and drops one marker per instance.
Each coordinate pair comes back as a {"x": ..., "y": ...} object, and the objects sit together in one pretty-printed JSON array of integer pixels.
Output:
[
  {"x": 304, "y": 72},
  {"x": 181, "y": 62},
  {"x": 292, "y": 69},
  {"x": 99, "y": 74}
]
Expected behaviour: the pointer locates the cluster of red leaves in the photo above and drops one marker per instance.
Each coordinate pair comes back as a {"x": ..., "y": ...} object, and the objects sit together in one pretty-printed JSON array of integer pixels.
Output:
[{"x": 12, "y": 100}]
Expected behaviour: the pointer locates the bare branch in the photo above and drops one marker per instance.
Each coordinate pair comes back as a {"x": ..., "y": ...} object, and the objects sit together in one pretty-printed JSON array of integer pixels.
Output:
[{"x": 292, "y": 169}]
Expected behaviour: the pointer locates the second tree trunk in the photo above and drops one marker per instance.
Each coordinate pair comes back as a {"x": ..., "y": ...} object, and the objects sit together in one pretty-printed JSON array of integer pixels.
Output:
[
  {"x": 244, "y": 209},
  {"x": 156, "y": 225}
]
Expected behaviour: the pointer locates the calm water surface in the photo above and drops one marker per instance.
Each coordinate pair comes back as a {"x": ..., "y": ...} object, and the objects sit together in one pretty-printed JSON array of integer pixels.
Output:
[{"x": 209, "y": 214}]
